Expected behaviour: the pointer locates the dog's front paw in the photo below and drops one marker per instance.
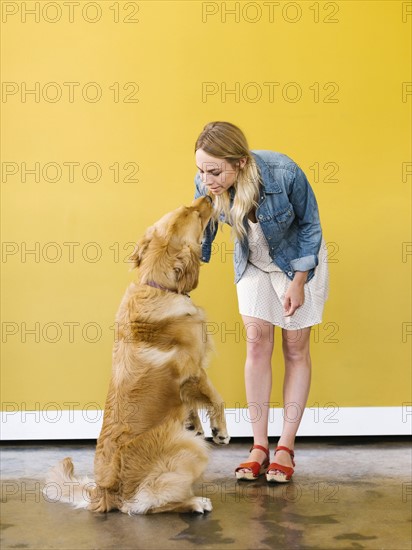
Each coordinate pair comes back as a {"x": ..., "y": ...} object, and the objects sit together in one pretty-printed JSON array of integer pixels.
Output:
[
  {"x": 220, "y": 436},
  {"x": 197, "y": 428},
  {"x": 193, "y": 423}
]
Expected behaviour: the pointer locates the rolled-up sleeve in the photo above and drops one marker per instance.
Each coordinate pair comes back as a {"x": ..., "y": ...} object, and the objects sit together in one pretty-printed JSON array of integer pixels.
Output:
[
  {"x": 211, "y": 229},
  {"x": 306, "y": 210}
]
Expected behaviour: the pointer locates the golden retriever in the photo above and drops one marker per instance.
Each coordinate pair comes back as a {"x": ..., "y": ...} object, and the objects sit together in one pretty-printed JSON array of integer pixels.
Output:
[{"x": 146, "y": 459}]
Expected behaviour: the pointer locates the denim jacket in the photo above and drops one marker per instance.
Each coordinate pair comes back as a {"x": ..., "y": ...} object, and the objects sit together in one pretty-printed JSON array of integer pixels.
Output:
[{"x": 288, "y": 215}]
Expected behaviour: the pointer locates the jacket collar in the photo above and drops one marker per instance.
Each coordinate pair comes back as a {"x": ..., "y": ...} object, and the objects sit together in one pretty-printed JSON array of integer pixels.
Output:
[{"x": 267, "y": 172}]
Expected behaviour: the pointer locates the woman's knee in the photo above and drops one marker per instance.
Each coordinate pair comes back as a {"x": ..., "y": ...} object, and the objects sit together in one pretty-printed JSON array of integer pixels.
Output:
[
  {"x": 296, "y": 356},
  {"x": 259, "y": 336},
  {"x": 259, "y": 352},
  {"x": 295, "y": 345}
]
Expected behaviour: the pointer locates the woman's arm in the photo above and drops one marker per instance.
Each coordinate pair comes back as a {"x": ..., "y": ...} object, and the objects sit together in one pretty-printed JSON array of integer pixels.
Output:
[
  {"x": 295, "y": 294},
  {"x": 303, "y": 200},
  {"x": 305, "y": 206}
]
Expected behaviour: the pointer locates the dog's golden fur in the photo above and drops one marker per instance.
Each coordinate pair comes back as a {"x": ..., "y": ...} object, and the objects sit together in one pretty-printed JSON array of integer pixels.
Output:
[{"x": 146, "y": 461}]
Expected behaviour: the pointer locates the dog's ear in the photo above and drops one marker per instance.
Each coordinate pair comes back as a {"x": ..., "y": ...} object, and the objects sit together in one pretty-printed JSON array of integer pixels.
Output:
[
  {"x": 186, "y": 267},
  {"x": 136, "y": 258},
  {"x": 141, "y": 246}
]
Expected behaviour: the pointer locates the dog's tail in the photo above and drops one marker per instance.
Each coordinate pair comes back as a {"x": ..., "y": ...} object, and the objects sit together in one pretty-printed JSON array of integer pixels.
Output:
[{"x": 62, "y": 486}]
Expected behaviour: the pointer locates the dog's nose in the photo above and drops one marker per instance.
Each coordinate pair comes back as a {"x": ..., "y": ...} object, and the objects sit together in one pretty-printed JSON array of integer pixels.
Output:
[
  {"x": 207, "y": 205},
  {"x": 207, "y": 201},
  {"x": 203, "y": 204}
]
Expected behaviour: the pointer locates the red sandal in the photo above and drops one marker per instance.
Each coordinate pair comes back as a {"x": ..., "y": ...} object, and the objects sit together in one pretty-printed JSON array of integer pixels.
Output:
[
  {"x": 257, "y": 468},
  {"x": 279, "y": 473}
]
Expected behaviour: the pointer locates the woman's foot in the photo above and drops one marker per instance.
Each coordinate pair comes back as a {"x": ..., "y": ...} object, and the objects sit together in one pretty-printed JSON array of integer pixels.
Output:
[
  {"x": 281, "y": 469},
  {"x": 284, "y": 458},
  {"x": 255, "y": 465}
]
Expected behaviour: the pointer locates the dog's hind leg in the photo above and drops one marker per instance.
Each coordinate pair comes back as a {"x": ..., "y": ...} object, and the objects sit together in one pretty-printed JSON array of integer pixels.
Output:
[
  {"x": 176, "y": 460},
  {"x": 103, "y": 500},
  {"x": 106, "y": 495},
  {"x": 169, "y": 492}
]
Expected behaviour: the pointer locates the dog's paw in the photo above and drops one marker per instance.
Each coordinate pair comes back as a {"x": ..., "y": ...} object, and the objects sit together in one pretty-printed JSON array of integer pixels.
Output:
[
  {"x": 200, "y": 505},
  {"x": 220, "y": 436},
  {"x": 197, "y": 429}
]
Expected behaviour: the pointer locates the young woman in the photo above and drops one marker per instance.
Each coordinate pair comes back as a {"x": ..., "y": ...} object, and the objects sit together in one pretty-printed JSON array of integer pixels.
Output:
[{"x": 281, "y": 275}]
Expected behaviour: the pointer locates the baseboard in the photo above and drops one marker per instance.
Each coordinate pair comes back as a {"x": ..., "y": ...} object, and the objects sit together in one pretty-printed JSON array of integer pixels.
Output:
[{"x": 316, "y": 421}]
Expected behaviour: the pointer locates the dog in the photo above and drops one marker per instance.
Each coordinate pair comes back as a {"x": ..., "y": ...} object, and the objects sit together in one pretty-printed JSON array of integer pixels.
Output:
[{"x": 148, "y": 454}]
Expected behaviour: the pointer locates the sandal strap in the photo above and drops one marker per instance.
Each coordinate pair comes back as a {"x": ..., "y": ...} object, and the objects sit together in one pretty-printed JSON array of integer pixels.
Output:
[
  {"x": 248, "y": 465},
  {"x": 261, "y": 448},
  {"x": 282, "y": 448},
  {"x": 284, "y": 469},
  {"x": 255, "y": 467}
]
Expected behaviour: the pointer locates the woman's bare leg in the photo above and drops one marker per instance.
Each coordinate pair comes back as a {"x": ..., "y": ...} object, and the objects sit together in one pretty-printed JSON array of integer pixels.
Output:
[
  {"x": 258, "y": 379},
  {"x": 296, "y": 385}
]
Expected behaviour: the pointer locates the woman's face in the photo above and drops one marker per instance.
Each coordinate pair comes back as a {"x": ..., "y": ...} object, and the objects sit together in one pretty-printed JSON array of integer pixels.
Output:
[{"x": 217, "y": 174}]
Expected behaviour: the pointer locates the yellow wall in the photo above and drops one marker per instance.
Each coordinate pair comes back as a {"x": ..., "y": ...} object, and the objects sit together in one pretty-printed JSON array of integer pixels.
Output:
[{"x": 349, "y": 66}]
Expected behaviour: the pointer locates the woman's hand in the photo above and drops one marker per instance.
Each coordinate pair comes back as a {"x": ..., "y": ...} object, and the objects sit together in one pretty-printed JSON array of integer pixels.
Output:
[{"x": 295, "y": 294}]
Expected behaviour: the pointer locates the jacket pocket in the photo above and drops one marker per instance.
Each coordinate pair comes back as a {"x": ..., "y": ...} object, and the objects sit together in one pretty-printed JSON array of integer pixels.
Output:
[{"x": 285, "y": 217}]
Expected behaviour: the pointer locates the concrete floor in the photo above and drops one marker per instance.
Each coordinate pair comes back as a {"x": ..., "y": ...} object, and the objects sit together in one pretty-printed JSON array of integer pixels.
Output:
[{"x": 347, "y": 493}]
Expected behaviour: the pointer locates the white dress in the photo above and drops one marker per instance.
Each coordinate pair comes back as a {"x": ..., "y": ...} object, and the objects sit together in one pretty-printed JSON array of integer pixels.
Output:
[{"x": 262, "y": 287}]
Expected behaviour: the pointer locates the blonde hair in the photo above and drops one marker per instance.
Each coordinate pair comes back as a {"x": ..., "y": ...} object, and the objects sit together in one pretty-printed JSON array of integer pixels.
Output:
[{"x": 226, "y": 141}]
